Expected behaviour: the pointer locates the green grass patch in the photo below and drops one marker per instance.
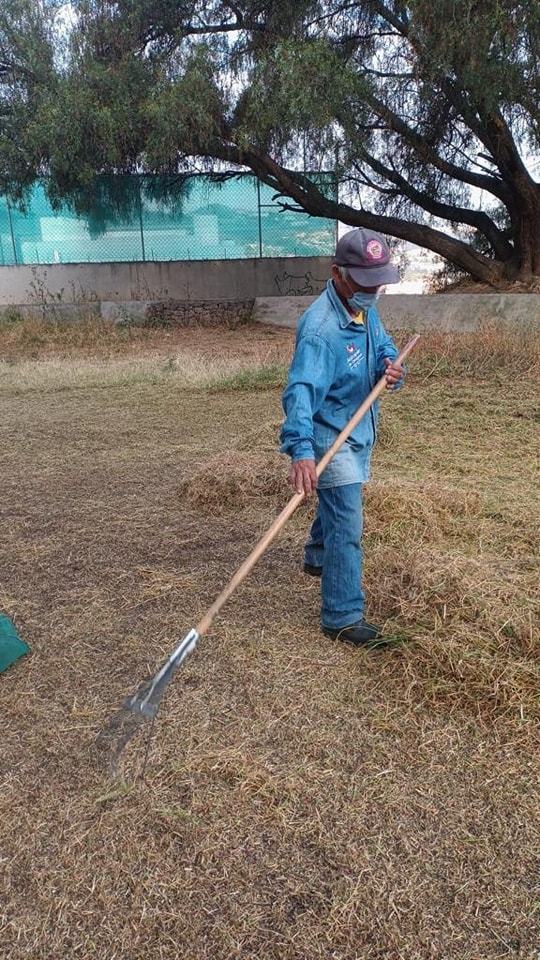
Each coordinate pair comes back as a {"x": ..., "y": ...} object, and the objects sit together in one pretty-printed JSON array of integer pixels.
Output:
[{"x": 270, "y": 377}]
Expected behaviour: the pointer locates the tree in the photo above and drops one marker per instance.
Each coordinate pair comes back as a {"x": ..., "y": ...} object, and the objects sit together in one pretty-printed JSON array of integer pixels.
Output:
[
  {"x": 422, "y": 109},
  {"x": 27, "y": 82}
]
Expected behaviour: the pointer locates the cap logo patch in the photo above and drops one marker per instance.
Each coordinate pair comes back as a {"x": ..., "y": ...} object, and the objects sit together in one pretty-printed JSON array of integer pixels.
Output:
[{"x": 374, "y": 250}]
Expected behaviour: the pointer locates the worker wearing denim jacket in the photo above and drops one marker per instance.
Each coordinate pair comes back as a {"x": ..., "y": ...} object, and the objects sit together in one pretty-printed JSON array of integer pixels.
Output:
[{"x": 342, "y": 350}]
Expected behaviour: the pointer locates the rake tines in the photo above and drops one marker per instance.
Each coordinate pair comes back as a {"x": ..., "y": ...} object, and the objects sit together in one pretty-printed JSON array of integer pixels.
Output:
[{"x": 144, "y": 704}]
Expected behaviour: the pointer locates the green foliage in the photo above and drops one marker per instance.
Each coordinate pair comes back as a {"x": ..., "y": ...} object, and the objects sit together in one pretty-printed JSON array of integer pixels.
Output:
[
  {"x": 490, "y": 48},
  {"x": 419, "y": 108},
  {"x": 27, "y": 80},
  {"x": 184, "y": 114},
  {"x": 100, "y": 110},
  {"x": 296, "y": 87}
]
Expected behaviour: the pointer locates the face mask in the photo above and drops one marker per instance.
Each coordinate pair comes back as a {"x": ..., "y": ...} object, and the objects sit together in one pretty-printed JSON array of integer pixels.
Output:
[{"x": 362, "y": 301}]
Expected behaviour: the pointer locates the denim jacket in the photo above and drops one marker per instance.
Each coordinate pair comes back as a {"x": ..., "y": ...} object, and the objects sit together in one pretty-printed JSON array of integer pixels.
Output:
[{"x": 337, "y": 362}]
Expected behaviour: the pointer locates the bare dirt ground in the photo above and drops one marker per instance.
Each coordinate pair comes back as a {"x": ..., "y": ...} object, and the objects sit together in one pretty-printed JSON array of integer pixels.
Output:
[{"x": 301, "y": 800}]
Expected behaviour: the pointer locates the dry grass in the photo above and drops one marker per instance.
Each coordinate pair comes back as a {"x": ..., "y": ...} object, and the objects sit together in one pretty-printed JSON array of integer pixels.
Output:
[
  {"x": 38, "y": 337},
  {"x": 234, "y": 481},
  {"x": 45, "y": 356},
  {"x": 302, "y": 801}
]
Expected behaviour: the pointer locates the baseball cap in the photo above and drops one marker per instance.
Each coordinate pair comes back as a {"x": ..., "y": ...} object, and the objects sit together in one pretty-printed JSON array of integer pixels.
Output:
[{"x": 367, "y": 257}]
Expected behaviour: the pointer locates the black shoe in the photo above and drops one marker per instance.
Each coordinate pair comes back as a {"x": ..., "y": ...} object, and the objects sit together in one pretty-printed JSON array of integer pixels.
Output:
[
  {"x": 358, "y": 634},
  {"x": 312, "y": 571}
]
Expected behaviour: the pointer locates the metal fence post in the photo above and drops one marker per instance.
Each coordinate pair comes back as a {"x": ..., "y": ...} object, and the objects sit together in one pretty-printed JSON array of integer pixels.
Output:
[
  {"x": 259, "y": 216},
  {"x": 11, "y": 232},
  {"x": 139, "y": 196}
]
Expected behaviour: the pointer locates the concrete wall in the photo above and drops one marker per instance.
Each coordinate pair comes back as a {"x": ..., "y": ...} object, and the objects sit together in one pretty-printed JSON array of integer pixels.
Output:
[
  {"x": 172, "y": 280},
  {"x": 280, "y": 288},
  {"x": 420, "y": 311}
]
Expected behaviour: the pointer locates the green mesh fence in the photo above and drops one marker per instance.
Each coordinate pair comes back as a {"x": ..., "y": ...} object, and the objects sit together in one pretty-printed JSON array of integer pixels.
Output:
[{"x": 164, "y": 218}]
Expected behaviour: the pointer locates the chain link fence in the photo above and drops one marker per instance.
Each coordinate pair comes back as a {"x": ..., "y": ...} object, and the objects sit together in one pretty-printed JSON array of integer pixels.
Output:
[{"x": 142, "y": 218}]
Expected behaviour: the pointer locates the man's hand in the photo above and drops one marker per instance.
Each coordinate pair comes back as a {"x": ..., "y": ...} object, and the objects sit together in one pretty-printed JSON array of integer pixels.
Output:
[
  {"x": 303, "y": 476},
  {"x": 394, "y": 373}
]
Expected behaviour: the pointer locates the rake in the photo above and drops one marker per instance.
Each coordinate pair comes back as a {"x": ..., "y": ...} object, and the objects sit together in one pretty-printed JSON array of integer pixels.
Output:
[{"x": 144, "y": 703}]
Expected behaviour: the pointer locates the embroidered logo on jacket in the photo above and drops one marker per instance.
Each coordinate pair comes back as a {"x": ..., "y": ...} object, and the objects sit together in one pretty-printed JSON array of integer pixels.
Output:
[{"x": 355, "y": 355}]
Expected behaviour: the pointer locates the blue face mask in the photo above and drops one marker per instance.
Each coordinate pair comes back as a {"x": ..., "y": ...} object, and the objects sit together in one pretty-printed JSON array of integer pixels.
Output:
[{"x": 362, "y": 301}]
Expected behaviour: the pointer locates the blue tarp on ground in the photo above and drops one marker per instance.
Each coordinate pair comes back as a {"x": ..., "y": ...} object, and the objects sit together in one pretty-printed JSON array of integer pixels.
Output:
[{"x": 11, "y": 645}]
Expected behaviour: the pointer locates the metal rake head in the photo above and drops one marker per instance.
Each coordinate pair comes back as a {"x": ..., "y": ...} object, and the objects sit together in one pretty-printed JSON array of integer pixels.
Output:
[
  {"x": 142, "y": 705},
  {"x": 123, "y": 727}
]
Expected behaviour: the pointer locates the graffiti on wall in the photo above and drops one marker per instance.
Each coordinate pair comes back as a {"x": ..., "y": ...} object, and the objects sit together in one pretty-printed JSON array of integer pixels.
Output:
[{"x": 298, "y": 285}]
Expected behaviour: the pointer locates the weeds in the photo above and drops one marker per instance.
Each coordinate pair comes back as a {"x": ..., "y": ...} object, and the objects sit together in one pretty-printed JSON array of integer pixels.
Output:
[
  {"x": 495, "y": 350},
  {"x": 9, "y": 317},
  {"x": 34, "y": 337}
]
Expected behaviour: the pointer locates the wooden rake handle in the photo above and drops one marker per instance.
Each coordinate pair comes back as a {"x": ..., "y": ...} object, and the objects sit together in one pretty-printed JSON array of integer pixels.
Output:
[{"x": 297, "y": 498}]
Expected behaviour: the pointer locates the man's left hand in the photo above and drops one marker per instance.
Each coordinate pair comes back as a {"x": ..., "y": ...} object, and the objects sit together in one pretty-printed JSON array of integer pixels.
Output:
[{"x": 394, "y": 373}]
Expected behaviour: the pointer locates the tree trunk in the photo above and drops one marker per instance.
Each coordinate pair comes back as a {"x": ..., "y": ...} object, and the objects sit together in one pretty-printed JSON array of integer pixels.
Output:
[{"x": 527, "y": 233}]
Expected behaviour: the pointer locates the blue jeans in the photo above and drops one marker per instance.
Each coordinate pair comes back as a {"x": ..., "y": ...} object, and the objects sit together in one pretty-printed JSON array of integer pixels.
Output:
[{"x": 335, "y": 545}]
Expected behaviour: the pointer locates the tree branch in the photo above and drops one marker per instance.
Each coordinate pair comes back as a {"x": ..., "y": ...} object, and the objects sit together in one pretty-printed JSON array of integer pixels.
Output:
[
  {"x": 298, "y": 187},
  {"x": 428, "y": 154},
  {"x": 444, "y": 211}
]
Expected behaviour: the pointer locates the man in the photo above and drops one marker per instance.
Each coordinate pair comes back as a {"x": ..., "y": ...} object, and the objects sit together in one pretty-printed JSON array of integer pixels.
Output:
[{"x": 342, "y": 350}]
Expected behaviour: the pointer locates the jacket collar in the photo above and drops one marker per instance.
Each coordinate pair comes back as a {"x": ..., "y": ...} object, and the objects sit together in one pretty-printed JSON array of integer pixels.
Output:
[{"x": 344, "y": 317}]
